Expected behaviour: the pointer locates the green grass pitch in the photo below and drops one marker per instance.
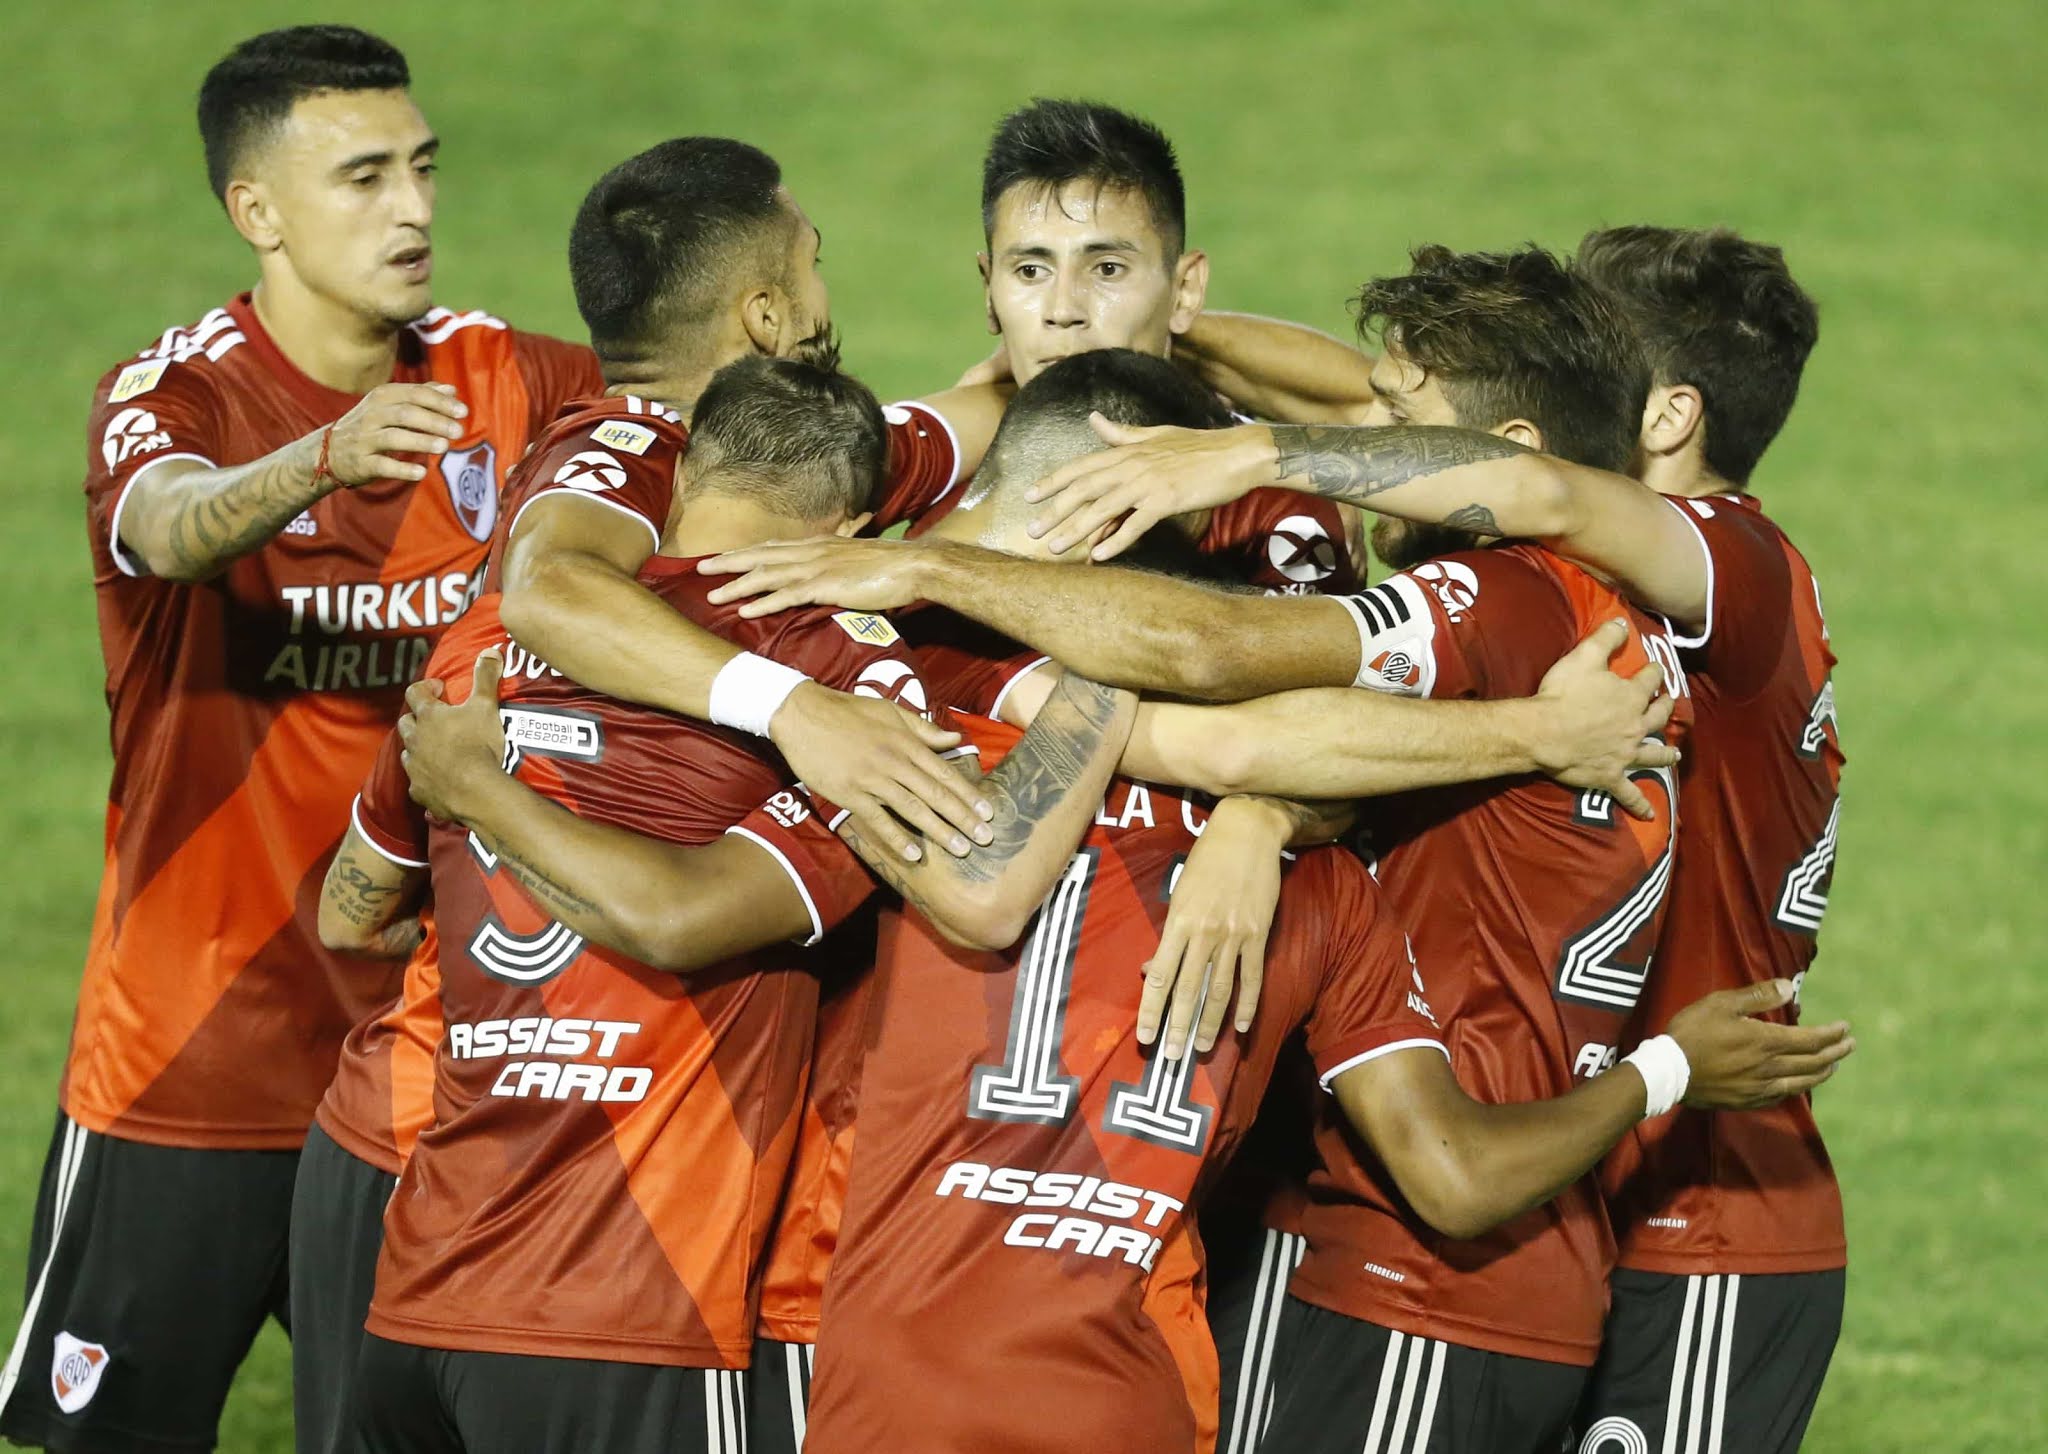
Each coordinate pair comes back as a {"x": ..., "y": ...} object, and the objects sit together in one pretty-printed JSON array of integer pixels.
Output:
[{"x": 1892, "y": 148}]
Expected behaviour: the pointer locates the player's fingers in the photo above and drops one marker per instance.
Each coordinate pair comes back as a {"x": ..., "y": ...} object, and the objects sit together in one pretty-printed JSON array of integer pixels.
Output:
[
  {"x": 1648, "y": 679},
  {"x": 421, "y": 421},
  {"x": 1251, "y": 980},
  {"x": 738, "y": 562},
  {"x": 422, "y": 692},
  {"x": 1127, "y": 533},
  {"x": 774, "y": 601},
  {"x": 1759, "y": 998},
  {"x": 1116, "y": 433},
  {"x": 1196, "y": 965},
  {"x": 440, "y": 400},
  {"x": 1815, "y": 1063},
  {"x": 1160, "y": 973},
  {"x": 1794, "y": 1085},
  {"x": 1055, "y": 487},
  {"x": 407, "y": 727},
  {"x": 1801, "y": 1039},
  {"x": 938, "y": 738},
  {"x": 764, "y": 577},
  {"x": 956, "y": 804},
  {"x": 914, "y": 811},
  {"x": 1215, "y": 1003},
  {"x": 877, "y": 825},
  {"x": 384, "y": 467},
  {"x": 1657, "y": 715},
  {"x": 483, "y": 682},
  {"x": 1632, "y": 801},
  {"x": 1651, "y": 753},
  {"x": 407, "y": 441}
]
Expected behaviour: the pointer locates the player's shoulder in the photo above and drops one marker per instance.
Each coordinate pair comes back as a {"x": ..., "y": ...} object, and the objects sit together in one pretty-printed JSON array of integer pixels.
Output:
[
  {"x": 857, "y": 651},
  {"x": 1320, "y": 876},
  {"x": 185, "y": 354},
  {"x": 625, "y": 424}
]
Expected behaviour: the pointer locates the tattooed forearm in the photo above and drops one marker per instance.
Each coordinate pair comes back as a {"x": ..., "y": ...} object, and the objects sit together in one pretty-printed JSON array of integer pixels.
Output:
[
  {"x": 1053, "y": 756},
  {"x": 202, "y": 520},
  {"x": 358, "y": 897},
  {"x": 558, "y": 898},
  {"x": 1355, "y": 463},
  {"x": 1474, "y": 517}
]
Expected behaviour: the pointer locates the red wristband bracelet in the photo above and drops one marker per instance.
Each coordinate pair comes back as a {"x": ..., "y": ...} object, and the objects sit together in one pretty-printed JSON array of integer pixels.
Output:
[{"x": 321, "y": 470}]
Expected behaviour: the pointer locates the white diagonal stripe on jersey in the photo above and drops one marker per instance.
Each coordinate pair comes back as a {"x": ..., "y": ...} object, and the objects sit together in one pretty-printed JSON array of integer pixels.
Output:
[
  {"x": 223, "y": 345},
  {"x": 1702, "y": 1364},
  {"x": 1674, "y": 1406},
  {"x": 1388, "y": 1366},
  {"x": 1734, "y": 1290},
  {"x": 1425, "y": 1421}
]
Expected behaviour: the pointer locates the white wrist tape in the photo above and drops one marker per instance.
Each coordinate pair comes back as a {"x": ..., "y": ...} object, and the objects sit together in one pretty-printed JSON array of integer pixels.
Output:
[
  {"x": 1664, "y": 1069},
  {"x": 748, "y": 689}
]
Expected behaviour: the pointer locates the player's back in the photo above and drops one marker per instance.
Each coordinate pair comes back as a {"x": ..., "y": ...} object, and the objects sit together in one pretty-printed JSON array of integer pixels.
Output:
[
  {"x": 1534, "y": 911},
  {"x": 246, "y": 708},
  {"x": 1016, "y": 1267},
  {"x": 1748, "y": 1192}
]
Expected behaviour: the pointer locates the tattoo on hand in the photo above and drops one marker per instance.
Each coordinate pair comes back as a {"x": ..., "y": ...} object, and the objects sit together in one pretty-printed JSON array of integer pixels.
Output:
[
  {"x": 1355, "y": 463},
  {"x": 1474, "y": 517}
]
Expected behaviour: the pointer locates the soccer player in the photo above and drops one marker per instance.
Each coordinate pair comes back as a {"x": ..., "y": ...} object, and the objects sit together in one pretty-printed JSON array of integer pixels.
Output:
[
  {"x": 1015, "y": 1247},
  {"x": 684, "y": 258},
  {"x": 288, "y": 500},
  {"x": 571, "y": 1254},
  {"x": 1564, "y": 936}
]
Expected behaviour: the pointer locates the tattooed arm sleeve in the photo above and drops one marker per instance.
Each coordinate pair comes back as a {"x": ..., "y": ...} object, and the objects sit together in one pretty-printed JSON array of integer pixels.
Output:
[{"x": 365, "y": 899}]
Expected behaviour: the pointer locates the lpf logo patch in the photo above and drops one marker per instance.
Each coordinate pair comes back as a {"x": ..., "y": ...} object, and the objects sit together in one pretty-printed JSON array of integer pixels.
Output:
[
  {"x": 1301, "y": 550},
  {"x": 472, "y": 476},
  {"x": 75, "y": 1372}
]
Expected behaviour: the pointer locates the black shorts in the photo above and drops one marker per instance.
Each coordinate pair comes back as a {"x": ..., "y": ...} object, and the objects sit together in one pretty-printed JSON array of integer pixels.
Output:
[
  {"x": 1729, "y": 1362},
  {"x": 151, "y": 1269},
  {"x": 778, "y": 1396},
  {"x": 1353, "y": 1387},
  {"x": 1246, "y": 1295},
  {"x": 337, "y": 1232},
  {"x": 412, "y": 1400}
]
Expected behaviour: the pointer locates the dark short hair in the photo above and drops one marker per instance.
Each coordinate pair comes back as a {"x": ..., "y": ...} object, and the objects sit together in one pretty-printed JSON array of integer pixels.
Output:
[
  {"x": 659, "y": 234},
  {"x": 794, "y": 433},
  {"x": 1719, "y": 312},
  {"x": 1517, "y": 335},
  {"x": 1122, "y": 385},
  {"x": 253, "y": 88},
  {"x": 1051, "y": 143}
]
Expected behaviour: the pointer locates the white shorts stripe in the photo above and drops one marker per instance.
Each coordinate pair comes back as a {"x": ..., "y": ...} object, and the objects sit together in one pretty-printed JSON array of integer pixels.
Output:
[
  {"x": 712, "y": 1443},
  {"x": 1389, "y": 1365},
  {"x": 1425, "y": 1422},
  {"x": 1674, "y": 1404},
  {"x": 1418, "y": 1349},
  {"x": 1733, "y": 1290},
  {"x": 1702, "y": 1364},
  {"x": 796, "y": 1358},
  {"x": 70, "y": 1157},
  {"x": 1293, "y": 1247},
  {"x": 1254, "y": 1374}
]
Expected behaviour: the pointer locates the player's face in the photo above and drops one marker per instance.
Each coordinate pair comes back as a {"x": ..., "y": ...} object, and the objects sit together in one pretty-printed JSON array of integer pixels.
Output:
[
  {"x": 347, "y": 189},
  {"x": 809, "y": 303},
  {"x": 1403, "y": 392},
  {"x": 1081, "y": 268}
]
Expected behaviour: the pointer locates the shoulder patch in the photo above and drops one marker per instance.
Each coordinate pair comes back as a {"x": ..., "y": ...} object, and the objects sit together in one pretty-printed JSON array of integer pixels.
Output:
[
  {"x": 624, "y": 436},
  {"x": 591, "y": 470},
  {"x": 870, "y": 630},
  {"x": 138, "y": 378}
]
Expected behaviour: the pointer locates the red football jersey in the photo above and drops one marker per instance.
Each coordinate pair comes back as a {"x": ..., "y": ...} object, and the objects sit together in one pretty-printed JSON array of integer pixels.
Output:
[
  {"x": 600, "y": 1124},
  {"x": 246, "y": 708},
  {"x": 1288, "y": 543},
  {"x": 1749, "y": 1191},
  {"x": 1534, "y": 910},
  {"x": 1015, "y": 1236}
]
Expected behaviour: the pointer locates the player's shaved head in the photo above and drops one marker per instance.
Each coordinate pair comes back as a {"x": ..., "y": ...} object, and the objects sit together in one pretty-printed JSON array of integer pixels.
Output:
[
  {"x": 1049, "y": 144},
  {"x": 794, "y": 435},
  {"x": 249, "y": 94},
  {"x": 1718, "y": 312},
  {"x": 1517, "y": 335},
  {"x": 660, "y": 241},
  {"x": 1046, "y": 424}
]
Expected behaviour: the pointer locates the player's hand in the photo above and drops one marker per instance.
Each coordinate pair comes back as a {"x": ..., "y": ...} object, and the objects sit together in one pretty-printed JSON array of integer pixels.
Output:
[
  {"x": 1740, "y": 1062},
  {"x": 1149, "y": 475},
  {"x": 995, "y": 369},
  {"x": 393, "y": 420},
  {"x": 880, "y": 763},
  {"x": 863, "y": 575},
  {"x": 1216, "y": 926},
  {"x": 453, "y": 752},
  {"x": 1596, "y": 727}
]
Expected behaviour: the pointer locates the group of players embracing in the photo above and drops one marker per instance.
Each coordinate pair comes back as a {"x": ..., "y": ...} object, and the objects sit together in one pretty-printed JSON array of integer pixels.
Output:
[{"x": 769, "y": 986}]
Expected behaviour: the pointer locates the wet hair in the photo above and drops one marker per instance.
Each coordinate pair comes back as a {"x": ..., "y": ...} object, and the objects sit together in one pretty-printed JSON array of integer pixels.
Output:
[
  {"x": 251, "y": 90},
  {"x": 795, "y": 434},
  {"x": 1517, "y": 335},
  {"x": 1051, "y": 143},
  {"x": 1718, "y": 312},
  {"x": 658, "y": 239}
]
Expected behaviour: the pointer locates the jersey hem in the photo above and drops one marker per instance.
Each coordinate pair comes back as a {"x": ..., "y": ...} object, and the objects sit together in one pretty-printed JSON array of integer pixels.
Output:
[
  {"x": 366, "y": 1149},
  {"x": 183, "y": 1136},
  {"x": 460, "y": 1339},
  {"x": 788, "y": 1330},
  {"x": 1449, "y": 1328},
  {"x": 1689, "y": 1264}
]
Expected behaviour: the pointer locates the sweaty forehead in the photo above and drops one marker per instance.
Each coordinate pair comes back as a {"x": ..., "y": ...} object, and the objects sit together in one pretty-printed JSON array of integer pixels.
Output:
[
  {"x": 1075, "y": 214},
  {"x": 330, "y": 127}
]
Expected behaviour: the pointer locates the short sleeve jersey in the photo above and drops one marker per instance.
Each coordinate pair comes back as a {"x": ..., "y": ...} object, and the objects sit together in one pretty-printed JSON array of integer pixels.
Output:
[
  {"x": 600, "y": 1125},
  {"x": 1015, "y": 1231},
  {"x": 1286, "y": 543},
  {"x": 1748, "y": 1192},
  {"x": 1535, "y": 912},
  {"x": 246, "y": 708}
]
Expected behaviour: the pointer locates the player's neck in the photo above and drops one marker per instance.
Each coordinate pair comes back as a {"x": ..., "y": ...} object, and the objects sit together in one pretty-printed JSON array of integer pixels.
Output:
[
  {"x": 673, "y": 386},
  {"x": 707, "y": 522},
  {"x": 1685, "y": 475},
  {"x": 332, "y": 345}
]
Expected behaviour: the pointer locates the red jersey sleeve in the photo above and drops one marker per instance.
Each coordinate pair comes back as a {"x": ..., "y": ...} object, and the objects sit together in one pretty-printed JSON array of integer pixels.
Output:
[
  {"x": 830, "y": 876},
  {"x": 1749, "y": 600},
  {"x": 924, "y": 464},
  {"x": 556, "y": 371},
  {"x": 967, "y": 667},
  {"x": 148, "y": 413},
  {"x": 1464, "y": 625},
  {"x": 619, "y": 463},
  {"x": 1371, "y": 1000}
]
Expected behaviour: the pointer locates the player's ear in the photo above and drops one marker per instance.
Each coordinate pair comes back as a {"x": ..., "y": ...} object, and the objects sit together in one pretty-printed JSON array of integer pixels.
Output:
[
  {"x": 250, "y": 210},
  {"x": 1190, "y": 290},
  {"x": 1672, "y": 418},
  {"x": 764, "y": 316},
  {"x": 988, "y": 302},
  {"x": 1521, "y": 431}
]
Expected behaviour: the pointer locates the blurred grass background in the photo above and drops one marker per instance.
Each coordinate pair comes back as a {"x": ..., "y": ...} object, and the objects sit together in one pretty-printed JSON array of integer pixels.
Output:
[{"x": 1891, "y": 148}]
